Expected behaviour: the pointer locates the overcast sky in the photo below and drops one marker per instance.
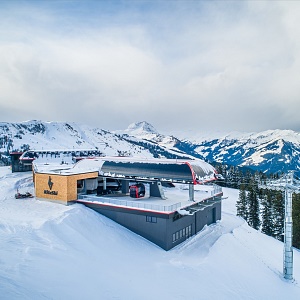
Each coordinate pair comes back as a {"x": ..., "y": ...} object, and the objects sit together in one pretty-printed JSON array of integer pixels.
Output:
[{"x": 180, "y": 65}]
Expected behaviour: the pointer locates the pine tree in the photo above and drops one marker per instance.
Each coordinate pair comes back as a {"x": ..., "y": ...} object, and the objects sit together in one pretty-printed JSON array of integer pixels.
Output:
[
  {"x": 278, "y": 214},
  {"x": 220, "y": 168},
  {"x": 296, "y": 220},
  {"x": 229, "y": 177},
  {"x": 267, "y": 214},
  {"x": 241, "y": 204},
  {"x": 253, "y": 203},
  {"x": 248, "y": 177}
]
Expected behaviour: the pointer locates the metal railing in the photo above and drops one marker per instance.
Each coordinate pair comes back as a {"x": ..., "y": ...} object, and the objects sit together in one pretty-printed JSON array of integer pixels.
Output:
[
  {"x": 135, "y": 204},
  {"x": 141, "y": 205},
  {"x": 217, "y": 190}
]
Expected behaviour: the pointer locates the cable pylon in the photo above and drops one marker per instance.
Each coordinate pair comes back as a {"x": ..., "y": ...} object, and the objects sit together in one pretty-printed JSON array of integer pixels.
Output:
[{"x": 289, "y": 185}]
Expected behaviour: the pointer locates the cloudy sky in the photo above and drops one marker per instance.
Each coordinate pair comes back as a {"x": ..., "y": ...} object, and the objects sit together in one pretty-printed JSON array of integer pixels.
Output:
[{"x": 180, "y": 65}]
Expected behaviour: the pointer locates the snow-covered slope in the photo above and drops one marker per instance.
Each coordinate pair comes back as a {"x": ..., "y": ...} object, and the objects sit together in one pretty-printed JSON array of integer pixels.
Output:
[
  {"x": 54, "y": 135},
  {"x": 269, "y": 151},
  {"x": 51, "y": 251},
  {"x": 59, "y": 135},
  {"x": 141, "y": 128},
  {"x": 144, "y": 130}
]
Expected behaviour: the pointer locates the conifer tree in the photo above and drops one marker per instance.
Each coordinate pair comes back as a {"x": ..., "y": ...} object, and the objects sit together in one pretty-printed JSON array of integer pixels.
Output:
[
  {"x": 296, "y": 220},
  {"x": 278, "y": 214},
  {"x": 220, "y": 168},
  {"x": 267, "y": 214},
  {"x": 241, "y": 204},
  {"x": 253, "y": 204}
]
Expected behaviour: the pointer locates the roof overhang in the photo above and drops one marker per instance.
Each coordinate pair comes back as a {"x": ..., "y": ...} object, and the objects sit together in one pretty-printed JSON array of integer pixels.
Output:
[{"x": 173, "y": 170}]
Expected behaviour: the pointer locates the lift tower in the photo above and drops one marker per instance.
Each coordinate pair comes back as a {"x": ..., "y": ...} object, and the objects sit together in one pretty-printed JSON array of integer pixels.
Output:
[{"x": 289, "y": 185}]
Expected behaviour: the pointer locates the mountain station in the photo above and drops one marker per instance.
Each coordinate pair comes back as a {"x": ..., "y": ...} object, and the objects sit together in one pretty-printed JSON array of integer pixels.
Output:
[{"x": 138, "y": 193}]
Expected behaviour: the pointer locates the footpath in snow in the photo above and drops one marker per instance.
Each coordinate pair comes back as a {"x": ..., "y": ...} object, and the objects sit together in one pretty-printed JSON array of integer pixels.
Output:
[{"x": 51, "y": 251}]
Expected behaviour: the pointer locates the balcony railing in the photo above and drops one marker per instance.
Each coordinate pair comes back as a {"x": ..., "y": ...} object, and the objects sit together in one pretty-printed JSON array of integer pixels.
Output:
[
  {"x": 135, "y": 204},
  {"x": 142, "y": 205}
]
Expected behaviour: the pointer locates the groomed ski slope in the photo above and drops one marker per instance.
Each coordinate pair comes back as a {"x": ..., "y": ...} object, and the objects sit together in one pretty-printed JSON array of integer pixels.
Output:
[{"x": 50, "y": 251}]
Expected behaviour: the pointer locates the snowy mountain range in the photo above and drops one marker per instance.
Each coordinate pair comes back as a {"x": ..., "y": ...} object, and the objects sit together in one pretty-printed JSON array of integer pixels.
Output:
[{"x": 269, "y": 151}]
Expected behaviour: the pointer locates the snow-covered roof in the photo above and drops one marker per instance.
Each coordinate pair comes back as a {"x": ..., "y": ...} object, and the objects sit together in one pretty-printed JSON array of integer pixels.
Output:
[{"x": 176, "y": 170}]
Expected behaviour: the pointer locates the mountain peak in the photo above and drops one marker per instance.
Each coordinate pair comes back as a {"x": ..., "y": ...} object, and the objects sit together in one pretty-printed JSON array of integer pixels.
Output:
[{"x": 142, "y": 127}]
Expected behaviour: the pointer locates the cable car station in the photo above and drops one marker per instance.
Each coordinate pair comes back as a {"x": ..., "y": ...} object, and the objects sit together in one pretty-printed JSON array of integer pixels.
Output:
[{"x": 165, "y": 201}]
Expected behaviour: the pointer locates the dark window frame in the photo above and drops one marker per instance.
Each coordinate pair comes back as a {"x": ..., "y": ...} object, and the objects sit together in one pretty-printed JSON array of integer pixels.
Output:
[
  {"x": 183, "y": 233},
  {"x": 150, "y": 219}
]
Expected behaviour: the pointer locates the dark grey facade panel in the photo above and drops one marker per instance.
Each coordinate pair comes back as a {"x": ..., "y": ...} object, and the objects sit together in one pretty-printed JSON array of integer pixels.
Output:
[
  {"x": 205, "y": 217},
  {"x": 175, "y": 226},
  {"x": 17, "y": 165},
  {"x": 131, "y": 211},
  {"x": 160, "y": 228},
  {"x": 152, "y": 231}
]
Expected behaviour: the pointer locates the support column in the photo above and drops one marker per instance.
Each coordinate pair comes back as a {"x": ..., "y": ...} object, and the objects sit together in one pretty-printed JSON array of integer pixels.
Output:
[
  {"x": 84, "y": 186},
  {"x": 191, "y": 192},
  {"x": 125, "y": 186},
  {"x": 156, "y": 190},
  {"x": 104, "y": 184},
  {"x": 288, "y": 237}
]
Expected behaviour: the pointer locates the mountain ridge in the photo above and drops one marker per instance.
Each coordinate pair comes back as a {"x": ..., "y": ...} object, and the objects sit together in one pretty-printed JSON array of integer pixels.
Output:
[{"x": 270, "y": 151}]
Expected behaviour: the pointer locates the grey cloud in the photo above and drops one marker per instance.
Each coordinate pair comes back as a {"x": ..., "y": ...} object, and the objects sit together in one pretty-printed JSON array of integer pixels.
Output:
[{"x": 208, "y": 67}]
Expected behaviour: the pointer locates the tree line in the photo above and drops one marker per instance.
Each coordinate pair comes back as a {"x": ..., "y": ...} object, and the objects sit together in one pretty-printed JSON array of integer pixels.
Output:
[{"x": 262, "y": 209}]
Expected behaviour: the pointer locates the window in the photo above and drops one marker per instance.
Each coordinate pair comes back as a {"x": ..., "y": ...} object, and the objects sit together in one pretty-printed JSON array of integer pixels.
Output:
[
  {"x": 151, "y": 219},
  {"x": 182, "y": 233},
  {"x": 189, "y": 228}
]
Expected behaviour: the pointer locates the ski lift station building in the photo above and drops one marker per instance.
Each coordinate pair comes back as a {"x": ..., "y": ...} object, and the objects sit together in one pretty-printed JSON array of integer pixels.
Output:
[{"x": 179, "y": 199}]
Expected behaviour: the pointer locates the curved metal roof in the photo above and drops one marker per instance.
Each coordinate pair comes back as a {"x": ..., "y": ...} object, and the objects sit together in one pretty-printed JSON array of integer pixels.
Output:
[{"x": 182, "y": 171}]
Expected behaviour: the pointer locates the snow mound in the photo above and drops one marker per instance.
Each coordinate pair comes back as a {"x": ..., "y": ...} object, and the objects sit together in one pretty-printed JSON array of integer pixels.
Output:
[{"x": 51, "y": 251}]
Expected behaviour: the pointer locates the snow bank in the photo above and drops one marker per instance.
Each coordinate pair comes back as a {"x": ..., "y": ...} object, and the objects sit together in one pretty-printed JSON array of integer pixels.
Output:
[{"x": 51, "y": 251}]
